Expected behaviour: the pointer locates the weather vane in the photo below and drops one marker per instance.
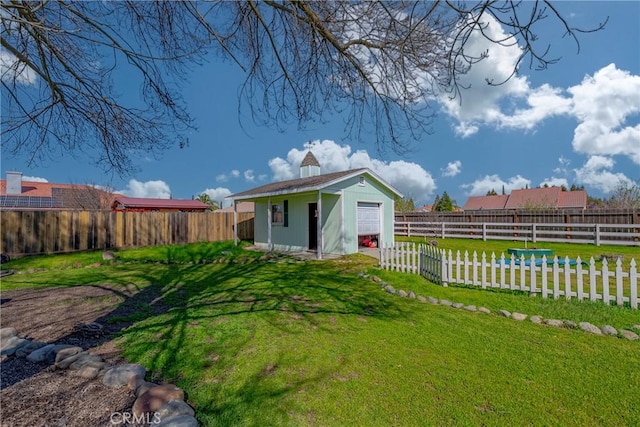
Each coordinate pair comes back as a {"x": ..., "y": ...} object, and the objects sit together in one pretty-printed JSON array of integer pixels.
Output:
[{"x": 308, "y": 145}]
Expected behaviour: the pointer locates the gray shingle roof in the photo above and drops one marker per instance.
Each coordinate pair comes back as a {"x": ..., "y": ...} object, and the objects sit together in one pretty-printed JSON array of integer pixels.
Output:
[
  {"x": 310, "y": 160},
  {"x": 304, "y": 184}
]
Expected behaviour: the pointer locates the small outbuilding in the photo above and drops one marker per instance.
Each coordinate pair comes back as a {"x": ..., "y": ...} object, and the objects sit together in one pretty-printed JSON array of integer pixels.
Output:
[{"x": 334, "y": 213}]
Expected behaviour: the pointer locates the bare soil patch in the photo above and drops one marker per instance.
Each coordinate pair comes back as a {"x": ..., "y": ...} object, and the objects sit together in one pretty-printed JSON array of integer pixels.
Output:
[{"x": 38, "y": 395}]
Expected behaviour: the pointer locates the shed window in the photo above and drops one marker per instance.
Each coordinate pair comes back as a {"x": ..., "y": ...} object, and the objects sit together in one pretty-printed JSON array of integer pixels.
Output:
[{"x": 280, "y": 213}]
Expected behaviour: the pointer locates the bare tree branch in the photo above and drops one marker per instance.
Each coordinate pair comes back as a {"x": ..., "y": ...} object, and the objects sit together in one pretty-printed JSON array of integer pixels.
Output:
[{"x": 382, "y": 65}]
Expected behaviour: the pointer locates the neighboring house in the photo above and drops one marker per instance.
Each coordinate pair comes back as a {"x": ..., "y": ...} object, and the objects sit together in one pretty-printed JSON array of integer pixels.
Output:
[
  {"x": 530, "y": 198},
  {"x": 17, "y": 194},
  {"x": 425, "y": 208},
  {"x": 137, "y": 204},
  {"x": 333, "y": 213},
  {"x": 241, "y": 207}
]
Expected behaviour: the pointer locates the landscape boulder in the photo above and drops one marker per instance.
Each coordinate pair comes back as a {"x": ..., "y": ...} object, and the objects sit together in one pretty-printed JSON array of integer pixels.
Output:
[{"x": 120, "y": 375}]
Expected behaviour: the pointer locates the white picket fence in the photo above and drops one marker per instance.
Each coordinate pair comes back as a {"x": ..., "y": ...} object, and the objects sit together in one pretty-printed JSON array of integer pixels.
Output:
[{"x": 551, "y": 279}]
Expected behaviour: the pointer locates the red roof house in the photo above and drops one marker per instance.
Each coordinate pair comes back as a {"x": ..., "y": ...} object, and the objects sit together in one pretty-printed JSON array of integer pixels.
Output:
[
  {"x": 530, "y": 198},
  {"x": 138, "y": 204}
]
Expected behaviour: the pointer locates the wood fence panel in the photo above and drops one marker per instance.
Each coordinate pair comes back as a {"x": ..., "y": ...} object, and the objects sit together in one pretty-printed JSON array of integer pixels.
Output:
[{"x": 46, "y": 232}]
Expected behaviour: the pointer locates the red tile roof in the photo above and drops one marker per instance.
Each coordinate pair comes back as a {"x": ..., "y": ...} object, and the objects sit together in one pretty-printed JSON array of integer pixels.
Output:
[
  {"x": 485, "y": 202},
  {"x": 138, "y": 202},
  {"x": 573, "y": 199},
  {"x": 537, "y": 198},
  {"x": 534, "y": 198}
]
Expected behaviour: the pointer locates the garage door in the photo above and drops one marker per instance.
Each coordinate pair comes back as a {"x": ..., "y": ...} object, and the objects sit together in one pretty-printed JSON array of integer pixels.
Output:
[{"x": 368, "y": 218}]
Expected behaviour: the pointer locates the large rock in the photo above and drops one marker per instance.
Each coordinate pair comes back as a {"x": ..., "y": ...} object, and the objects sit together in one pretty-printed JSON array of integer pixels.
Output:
[
  {"x": 40, "y": 355},
  {"x": 632, "y": 336},
  {"x": 84, "y": 359},
  {"x": 155, "y": 398},
  {"x": 457, "y": 305},
  {"x": 179, "y": 421},
  {"x": 28, "y": 347},
  {"x": 120, "y": 375},
  {"x": 390, "y": 289},
  {"x": 505, "y": 313},
  {"x": 446, "y": 302},
  {"x": 402, "y": 293},
  {"x": 412, "y": 295},
  {"x": 11, "y": 345},
  {"x": 51, "y": 355},
  {"x": 609, "y": 330},
  {"x": 90, "y": 370},
  {"x": 518, "y": 316},
  {"x": 470, "y": 308},
  {"x": 535, "y": 319},
  {"x": 68, "y": 361},
  {"x": 484, "y": 310},
  {"x": 6, "y": 333},
  {"x": 421, "y": 298},
  {"x": 174, "y": 408},
  {"x": 66, "y": 352},
  {"x": 588, "y": 327},
  {"x": 555, "y": 323},
  {"x": 432, "y": 300}
]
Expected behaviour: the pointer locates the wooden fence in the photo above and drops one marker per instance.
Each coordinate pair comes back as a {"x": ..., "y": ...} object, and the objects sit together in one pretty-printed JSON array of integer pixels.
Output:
[
  {"x": 541, "y": 216},
  {"x": 550, "y": 278},
  {"x": 598, "y": 234},
  {"x": 48, "y": 232}
]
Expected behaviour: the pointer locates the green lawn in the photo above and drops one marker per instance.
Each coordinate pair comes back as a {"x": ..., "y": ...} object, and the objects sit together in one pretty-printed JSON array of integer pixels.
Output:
[{"x": 280, "y": 342}]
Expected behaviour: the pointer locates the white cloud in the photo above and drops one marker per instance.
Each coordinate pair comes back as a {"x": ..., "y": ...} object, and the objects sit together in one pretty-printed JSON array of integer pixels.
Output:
[
  {"x": 249, "y": 176},
  {"x": 222, "y": 178},
  {"x": 409, "y": 178},
  {"x": 149, "y": 189},
  {"x": 564, "y": 163},
  {"x": 11, "y": 68},
  {"x": 34, "y": 179},
  {"x": 487, "y": 183},
  {"x": 218, "y": 194},
  {"x": 596, "y": 172},
  {"x": 604, "y": 104},
  {"x": 555, "y": 182},
  {"x": 452, "y": 169},
  {"x": 235, "y": 173}
]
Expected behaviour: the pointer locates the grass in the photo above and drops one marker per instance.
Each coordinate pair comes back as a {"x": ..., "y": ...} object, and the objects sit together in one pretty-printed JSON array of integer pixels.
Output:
[{"x": 283, "y": 342}]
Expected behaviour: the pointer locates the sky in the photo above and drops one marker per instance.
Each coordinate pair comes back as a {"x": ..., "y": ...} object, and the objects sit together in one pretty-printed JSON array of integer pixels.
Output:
[{"x": 577, "y": 122}]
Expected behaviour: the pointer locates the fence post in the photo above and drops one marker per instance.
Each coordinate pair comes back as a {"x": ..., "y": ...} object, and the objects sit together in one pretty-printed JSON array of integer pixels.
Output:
[
  {"x": 484, "y": 231},
  {"x": 533, "y": 232},
  {"x": 597, "y": 234},
  {"x": 443, "y": 232},
  {"x": 443, "y": 269},
  {"x": 408, "y": 229}
]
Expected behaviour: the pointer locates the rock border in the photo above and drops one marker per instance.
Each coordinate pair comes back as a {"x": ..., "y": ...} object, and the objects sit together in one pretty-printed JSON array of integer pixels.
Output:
[
  {"x": 161, "y": 405},
  {"x": 605, "y": 330}
]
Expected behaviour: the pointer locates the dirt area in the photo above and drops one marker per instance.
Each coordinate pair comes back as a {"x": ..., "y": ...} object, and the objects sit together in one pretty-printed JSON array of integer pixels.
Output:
[{"x": 37, "y": 395}]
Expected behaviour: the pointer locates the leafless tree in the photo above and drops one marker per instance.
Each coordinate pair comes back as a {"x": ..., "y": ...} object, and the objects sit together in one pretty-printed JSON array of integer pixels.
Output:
[{"x": 383, "y": 63}]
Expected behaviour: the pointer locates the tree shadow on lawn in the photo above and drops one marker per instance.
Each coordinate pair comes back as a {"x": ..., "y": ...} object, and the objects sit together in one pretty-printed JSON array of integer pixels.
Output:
[
  {"x": 214, "y": 316},
  {"x": 192, "y": 319}
]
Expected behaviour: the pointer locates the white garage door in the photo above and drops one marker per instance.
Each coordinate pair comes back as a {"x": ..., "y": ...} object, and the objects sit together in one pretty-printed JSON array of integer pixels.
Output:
[{"x": 368, "y": 218}]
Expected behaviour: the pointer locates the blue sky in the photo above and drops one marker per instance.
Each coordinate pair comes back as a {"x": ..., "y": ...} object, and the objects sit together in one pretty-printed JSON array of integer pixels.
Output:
[{"x": 577, "y": 122}]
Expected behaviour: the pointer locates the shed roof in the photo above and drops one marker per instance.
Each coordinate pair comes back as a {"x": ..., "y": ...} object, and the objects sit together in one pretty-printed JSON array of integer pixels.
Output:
[
  {"x": 138, "y": 202},
  {"x": 311, "y": 183},
  {"x": 545, "y": 197}
]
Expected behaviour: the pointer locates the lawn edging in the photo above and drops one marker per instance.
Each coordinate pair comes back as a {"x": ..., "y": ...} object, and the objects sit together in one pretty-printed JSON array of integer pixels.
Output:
[
  {"x": 605, "y": 330},
  {"x": 160, "y": 405}
]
